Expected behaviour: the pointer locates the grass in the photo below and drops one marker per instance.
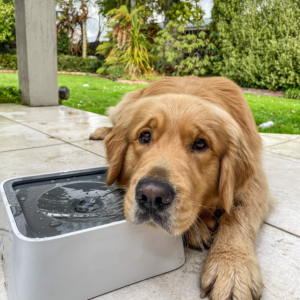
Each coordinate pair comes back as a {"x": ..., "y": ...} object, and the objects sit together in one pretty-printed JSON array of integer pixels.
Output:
[
  {"x": 96, "y": 98},
  {"x": 278, "y": 110},
  {"x": 103, "y": 93}
]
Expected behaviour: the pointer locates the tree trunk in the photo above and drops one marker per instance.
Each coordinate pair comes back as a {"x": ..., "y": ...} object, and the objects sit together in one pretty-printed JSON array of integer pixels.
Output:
[{"x": 84, "y": 42}]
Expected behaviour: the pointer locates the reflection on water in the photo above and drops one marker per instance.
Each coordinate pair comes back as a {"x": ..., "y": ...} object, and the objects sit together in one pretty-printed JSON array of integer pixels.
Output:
[{"x": 56, "y": 207}]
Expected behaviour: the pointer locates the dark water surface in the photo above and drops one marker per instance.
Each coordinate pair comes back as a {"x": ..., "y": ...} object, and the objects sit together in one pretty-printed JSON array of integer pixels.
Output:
[{"x": 55, "y": 207}]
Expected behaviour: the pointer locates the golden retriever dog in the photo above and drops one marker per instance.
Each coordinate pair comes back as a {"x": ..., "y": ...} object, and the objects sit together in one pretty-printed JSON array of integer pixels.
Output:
[{"x": 188, "y": 153}]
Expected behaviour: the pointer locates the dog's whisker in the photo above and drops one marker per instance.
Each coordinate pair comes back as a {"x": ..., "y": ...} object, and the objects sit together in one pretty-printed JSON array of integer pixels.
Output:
[
  {"x": 198, "y": 233},
  {"x": 210, "y": 238},
  {"x": 200, "y": 205}
]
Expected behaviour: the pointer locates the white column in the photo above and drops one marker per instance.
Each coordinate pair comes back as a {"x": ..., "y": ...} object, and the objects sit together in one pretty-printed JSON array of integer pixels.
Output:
[{"x": 37, "y": 51}]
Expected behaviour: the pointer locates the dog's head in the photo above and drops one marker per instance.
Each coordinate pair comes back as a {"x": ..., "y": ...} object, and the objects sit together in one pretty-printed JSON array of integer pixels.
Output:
[{"x": 177, "y": 155}]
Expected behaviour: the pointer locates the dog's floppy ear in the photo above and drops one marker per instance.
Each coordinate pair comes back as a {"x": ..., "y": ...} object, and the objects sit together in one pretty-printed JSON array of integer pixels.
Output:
[
  {"x": 116, "y": 147},
  {"x": 237, "y": 167}
]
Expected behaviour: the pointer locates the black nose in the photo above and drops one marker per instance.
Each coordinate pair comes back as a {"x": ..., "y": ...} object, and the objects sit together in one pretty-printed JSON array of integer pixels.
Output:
[{"x": 153, "y": 194}]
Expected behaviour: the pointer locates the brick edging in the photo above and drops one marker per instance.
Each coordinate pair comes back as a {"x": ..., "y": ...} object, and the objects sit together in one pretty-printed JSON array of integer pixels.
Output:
[
  {"x": 8, "y": 71},
  {"x": 263, "y": 92}
]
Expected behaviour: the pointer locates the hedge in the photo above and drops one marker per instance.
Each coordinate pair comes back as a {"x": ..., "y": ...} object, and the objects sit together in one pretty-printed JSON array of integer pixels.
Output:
[
  {"x": 8, "y": 62},
  {"x": 259, "y": 42},
  {"x": 64, "y": 63},
  {"x": 9, "y": 94},
  {"x": 77, "y": 64}
]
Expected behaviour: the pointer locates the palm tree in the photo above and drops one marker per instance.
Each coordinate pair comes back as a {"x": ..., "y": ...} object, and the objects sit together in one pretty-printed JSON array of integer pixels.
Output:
[
  {"x": 121, "y": 22},
  {"x": 135, "y": 52},
  {"x": 128, "y": 46}
]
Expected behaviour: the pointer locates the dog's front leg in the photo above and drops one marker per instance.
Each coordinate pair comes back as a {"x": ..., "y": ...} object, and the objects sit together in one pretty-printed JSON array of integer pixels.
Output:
[{"x": 232, "y": 270}]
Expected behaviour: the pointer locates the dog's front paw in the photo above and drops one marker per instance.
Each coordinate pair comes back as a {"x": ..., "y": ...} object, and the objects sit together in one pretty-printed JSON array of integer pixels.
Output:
[
  {"x": 231, "y": 274},
  {"x": 100, "y": 133}
]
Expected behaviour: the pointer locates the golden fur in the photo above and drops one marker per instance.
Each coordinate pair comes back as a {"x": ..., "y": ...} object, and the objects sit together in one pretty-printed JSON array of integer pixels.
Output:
[{"x": 222, "y": 193}]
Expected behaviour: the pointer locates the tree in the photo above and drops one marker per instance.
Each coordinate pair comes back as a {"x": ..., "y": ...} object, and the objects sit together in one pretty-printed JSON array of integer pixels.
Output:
[
  {"x": 102, "y": 26},
  {"x": 107, "y": 5},
  {"x": 7, "y": 22},
  {"x": 71, "y": 16},
  {"x": 82, "y": 18},
  {"x": 135, "y": 52},
  {"x": 186, "y": 53},
  {"x": 121, "y": 21},
  {"x": 128, "y": 46}
]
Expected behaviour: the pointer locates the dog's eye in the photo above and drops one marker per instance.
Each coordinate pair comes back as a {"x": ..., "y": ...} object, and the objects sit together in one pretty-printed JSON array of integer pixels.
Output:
[
  {"x": 200, "y": 144},
  {"x": 145, "y": 137}
]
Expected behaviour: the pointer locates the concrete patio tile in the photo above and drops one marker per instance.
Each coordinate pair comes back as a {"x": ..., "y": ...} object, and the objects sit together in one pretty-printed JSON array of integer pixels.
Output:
[
  {"x": 278, "y": 254},
  {"x": 21, "y": 113},
  {"x": 96, "y": 147},
  {"x": 15, "y": 136},
  {"x": 271, "y": 139},
  {"x": 290, "y": 148},
  {"x": 279, "y": 257},
  {"x": 274, "y": 154},
  {"x": 5, "y": 120},
  {"x": 57, "y": 158},
  {"x": 71, "y": 130},
  {"x": 284, "y": 178},
  {"x": 149, "y": 289}
]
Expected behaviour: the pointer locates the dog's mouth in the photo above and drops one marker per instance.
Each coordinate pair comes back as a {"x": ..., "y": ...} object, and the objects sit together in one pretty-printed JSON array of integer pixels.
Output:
[
  {"x": 154, "y": 199},
  {"x": 154, "y": 218}
]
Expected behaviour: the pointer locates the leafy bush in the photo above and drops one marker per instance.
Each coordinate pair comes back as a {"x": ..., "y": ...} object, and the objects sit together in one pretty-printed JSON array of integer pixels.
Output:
[
  {"x": 8, "y": 62},
  {"x": 9, "y": 94},
  {"x": 63, "y": 43},
  {"x": 259, "y": 42},
  {"x": 115, "y": 72},
  {"x": 65, "y": 63},
  {"x": 78, "y": 64},
  {"x": 7, "y": 22},
  {"x": 292, "y": 93},
  {"x": 183, "y": 53}
]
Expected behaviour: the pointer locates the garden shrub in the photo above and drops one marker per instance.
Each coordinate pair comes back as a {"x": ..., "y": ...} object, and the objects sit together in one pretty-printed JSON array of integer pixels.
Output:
[
  {"x": 65, "y": 63},
  {"x": 8, "y": 62},
  {"x": 9, "y": 94},
  {"x": 259, "y": 42},
  {"x": 78, "y": 64},
  {"x": 185, "y": 53},
  {"x": 7, "y": 22},
  {"x": 115, "y": 72},
  {"x": 63, "y": 44},
  {"x": 292, "y": 93}
]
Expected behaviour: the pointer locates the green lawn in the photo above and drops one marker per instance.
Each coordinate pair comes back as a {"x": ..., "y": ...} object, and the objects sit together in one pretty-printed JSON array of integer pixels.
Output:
[{"x": 103, "y": 93}]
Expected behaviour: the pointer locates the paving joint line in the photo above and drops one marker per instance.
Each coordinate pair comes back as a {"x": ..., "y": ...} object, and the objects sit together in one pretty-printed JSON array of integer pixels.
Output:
[
  {"x": 283, "y": 230},
  {"x": 291, "y": 140},
  {"x": 7, "y": 119},
  {"x": 61, "y": 143},
  {"x": 85, "y": 149},
  {"x": 277, "y": 155},
  {"x": 45, "y": 121}
]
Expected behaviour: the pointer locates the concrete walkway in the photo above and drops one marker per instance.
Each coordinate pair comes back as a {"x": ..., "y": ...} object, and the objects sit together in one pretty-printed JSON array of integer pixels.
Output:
[{"x": 43, "y": 140}]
